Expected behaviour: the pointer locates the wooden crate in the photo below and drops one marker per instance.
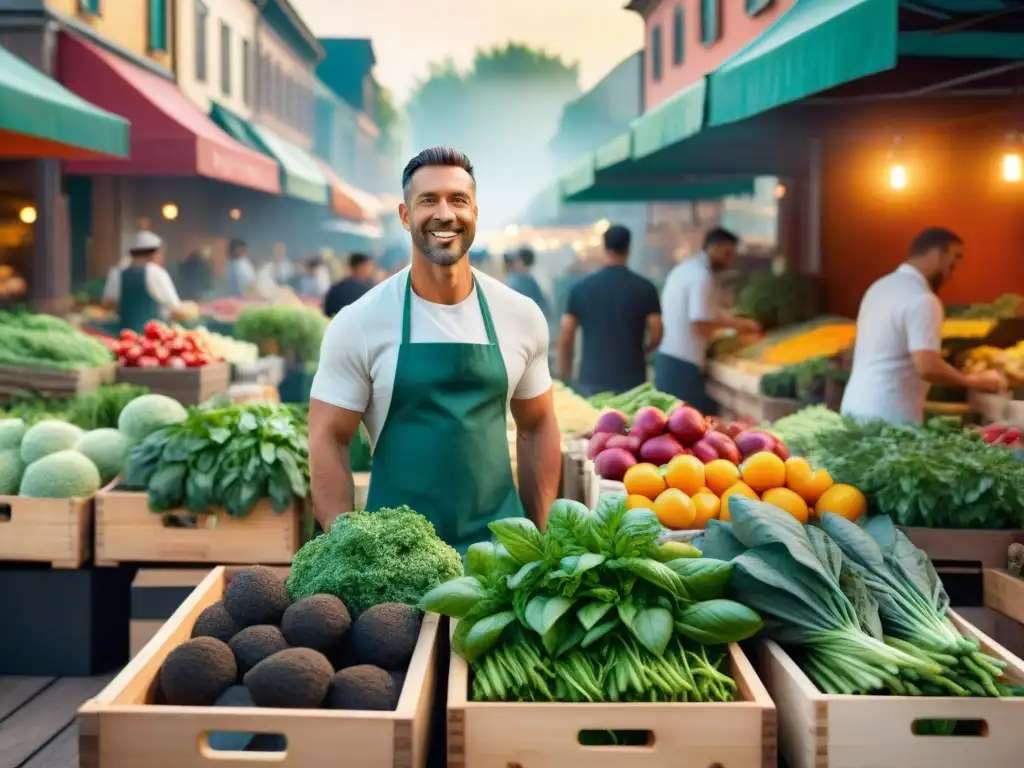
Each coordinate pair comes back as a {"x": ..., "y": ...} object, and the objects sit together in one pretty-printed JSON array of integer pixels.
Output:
[
  {"x": 55, "y": 531},
  {"x": 53, "y": 383},
  {"x": 966, "y": 548},
  {"x": 127, "y": 531},
  {"x": 739, "y": 734},
  {"x": 189, "y": 386},
  {"x": 1004, "y": 593},
  {"x": 122, "y": 728},
  {"x": 817, "y": 730}
]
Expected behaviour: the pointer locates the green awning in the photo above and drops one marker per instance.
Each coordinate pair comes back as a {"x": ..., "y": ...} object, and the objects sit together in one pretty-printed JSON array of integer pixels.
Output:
[
  {"x": 35, "y": 105},
  {"x": 235, "y": 126},
  {"x": 677, "y": 118},
  {"x": 813, "y": 46},
  {"x": 301, "y": 176},
  {"x": 679, "y": 190}
]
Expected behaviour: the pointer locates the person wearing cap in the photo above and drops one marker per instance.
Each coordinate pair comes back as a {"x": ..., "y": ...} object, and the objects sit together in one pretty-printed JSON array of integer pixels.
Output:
[{"x": 142, "y": 290}]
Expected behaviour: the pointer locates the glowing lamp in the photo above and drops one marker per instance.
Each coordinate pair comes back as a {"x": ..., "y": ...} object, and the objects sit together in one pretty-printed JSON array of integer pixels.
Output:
[
  {"x": 28, "y": 215},
  {"x": 898, "y": 176},
  {"x": 1013, "y": 167},
  {"x": 169, "y": 211}
]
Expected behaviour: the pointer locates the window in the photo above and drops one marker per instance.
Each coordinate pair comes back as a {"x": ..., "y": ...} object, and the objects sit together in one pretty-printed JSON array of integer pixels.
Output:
[
  {"x": 754, "y": 7},
  {"x": 225, "y": 59},
  {"x": 656, "y": 53},
  {"x": 91, "y": 7},
  {"x": 201, "y": 16},
  {"x": 710, "y": 21},
  {"x": 678, "y": 36},
  {"x": 246, "y": 73},
  {"x": 157, "y": 25}
]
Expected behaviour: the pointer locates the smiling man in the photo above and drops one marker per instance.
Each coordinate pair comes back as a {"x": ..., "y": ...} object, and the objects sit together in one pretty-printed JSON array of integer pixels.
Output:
[{"x": 431, "y": 359}]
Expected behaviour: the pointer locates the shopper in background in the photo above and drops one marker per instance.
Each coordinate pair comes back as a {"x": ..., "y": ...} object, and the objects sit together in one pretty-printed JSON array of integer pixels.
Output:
[
  {"x": 898, "y": 353},
  {"x": 519, "y": 277},
  {"x": 282, "y": 269},
  {"x": 195, "y": 277},
  {"x": 241, "y": 272},
  {"x": 316, "y": 279},
  {"x": 620, "y": 316},
  {"x": 693, "y": 315},
  {"x": 349, "y": 289}
]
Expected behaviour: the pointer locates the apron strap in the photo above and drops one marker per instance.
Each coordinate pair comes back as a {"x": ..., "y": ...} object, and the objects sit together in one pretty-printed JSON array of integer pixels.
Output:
[{"x": 485, "y": 312}]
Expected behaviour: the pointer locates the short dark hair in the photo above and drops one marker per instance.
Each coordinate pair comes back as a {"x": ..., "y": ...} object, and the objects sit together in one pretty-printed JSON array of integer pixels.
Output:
[
  {"x": 527, "y": 256},
  {"x": 356, "y": 260},
  {"x": 616, "y": 239},
  {"x": 719, "y": 236},
  {"x": 444, "y": 156},
  {"x": 934, "y": 237},
  {"x": 236, "y": 245}
]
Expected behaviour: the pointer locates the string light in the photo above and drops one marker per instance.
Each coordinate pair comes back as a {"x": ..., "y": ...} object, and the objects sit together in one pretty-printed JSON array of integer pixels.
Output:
[
  {"x": 780, "y": 191},
  {"x": 170, "y": 211},
  {"x": 898, "y": 176},
  {"x": 28, "y": 215},
  {"x": 1013, "y": 168},
  {"x": 235, "y": 214}
]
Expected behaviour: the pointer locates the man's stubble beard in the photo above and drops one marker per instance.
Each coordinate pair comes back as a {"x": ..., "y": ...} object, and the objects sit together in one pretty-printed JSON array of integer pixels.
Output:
[{"x": 439, "y": 255}]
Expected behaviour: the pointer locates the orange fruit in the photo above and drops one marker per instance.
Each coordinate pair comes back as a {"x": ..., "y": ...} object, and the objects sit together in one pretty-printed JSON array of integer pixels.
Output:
[
  {"x": 810, "y": 484},
  {"x": 675, "y": 510},
  {"x": 685, "y": 473},
  {"x": 644, "y": 480},
  {"x": 705, "y": 489},
  {"x": 763, "y": 470},
  {"x": 720, "y": 475},
  {"x": 845, "y": 500},
  {"x": 787, "y": 500},
  {"x": 708, "y": 506},
  {"x": 636, "y": 501},
  {"x": 739, "y": 489}
]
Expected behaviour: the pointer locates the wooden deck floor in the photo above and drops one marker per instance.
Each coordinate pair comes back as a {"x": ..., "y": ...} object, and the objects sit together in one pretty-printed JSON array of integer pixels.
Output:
[{"x": 37, "y": 719}]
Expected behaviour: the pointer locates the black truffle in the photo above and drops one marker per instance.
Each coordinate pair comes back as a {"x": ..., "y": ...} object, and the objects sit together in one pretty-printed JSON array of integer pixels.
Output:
[
  {"x": 362, "y": 687},
  {"x": 318, "y": 622},
  {"x": 385, "y": 635},
  {"x": 253, "y": 644},
  {"x": 256, "y": 595},
  {"x": 215, "y": 621},
  {"x": 197, "y": 672},
  {"x": 296, "y": 678}
]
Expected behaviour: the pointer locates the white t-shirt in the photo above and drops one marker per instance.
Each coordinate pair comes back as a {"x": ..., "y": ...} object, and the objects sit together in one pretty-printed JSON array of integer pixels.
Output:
[
  {"x": 158, "y": 283},
  {"x": 689, "y": 297},
  {"x": 899, "y": 315},
  {"x": 359, "y": 354}
]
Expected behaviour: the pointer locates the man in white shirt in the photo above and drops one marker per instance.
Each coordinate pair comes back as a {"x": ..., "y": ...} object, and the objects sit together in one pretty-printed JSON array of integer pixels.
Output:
[
  {"x": 692, "y": 315},
  {"x": 898, "y": 353},
  {"x": 431, "y": 359},
  {"x": 142, "y": 290},
  {"x": 241, "y": 272}
]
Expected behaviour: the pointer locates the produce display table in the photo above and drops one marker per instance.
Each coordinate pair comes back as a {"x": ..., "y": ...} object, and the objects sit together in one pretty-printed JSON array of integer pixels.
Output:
[
  {"x": 737, "y": 390},
  {"x": 818, "y": 730},
  {"x": 122, "y": 727},
  {"x": 269, "y": 371},
  {"x": 127, "y": 531},
  {"x": 53, "y": 383},
  {"x": 189, "y": 386}
]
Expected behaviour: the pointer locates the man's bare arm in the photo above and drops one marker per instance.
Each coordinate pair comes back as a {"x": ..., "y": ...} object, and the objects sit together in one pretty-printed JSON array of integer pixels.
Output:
[
  {"x": 655, "y": 330},
  {"x": 933, "y": 369},
  {"x": 331, "y": 431},
  {"x": 566, "y": 346},
  {"x": 538, "y": 453}
]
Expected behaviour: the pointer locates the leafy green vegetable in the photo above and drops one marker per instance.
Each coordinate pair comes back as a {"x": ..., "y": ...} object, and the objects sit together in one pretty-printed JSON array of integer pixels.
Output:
[{"x": 389, "y": 556}]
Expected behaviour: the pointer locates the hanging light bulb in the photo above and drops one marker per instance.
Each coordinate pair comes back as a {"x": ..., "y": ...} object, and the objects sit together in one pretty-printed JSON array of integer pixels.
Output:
[
  {"x": 28, "y": 214},
  {"x": 780, "y": 191},
  {"x": 898, "y": 176},
  {"x": 170, "y": 211},
  {"x": 1013, "y": 167}
]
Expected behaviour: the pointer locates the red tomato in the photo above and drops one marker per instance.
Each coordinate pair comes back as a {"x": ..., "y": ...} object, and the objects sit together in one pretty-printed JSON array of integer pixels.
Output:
[
  {"x": 161, "y": 354},
  {"x": 189, "y": 358},
  {"x": 133, "y": 354},
  {"x": 177, "y": 345},
  {"x": 125, "y": 344},
  {"x": 154, "y": 330},
  {"x": 146, "y": 361},
  {"x": 175, "y": 362},
  {"x": 127, "y": 334},
  {"x": 200, "y": 361},
  {"x": 122, "y": 360},
  {"x": 148, "y": 345}
]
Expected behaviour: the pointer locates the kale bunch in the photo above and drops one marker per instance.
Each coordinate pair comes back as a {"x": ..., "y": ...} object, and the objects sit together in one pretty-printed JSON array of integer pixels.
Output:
[{"x": 389, "y": 556}]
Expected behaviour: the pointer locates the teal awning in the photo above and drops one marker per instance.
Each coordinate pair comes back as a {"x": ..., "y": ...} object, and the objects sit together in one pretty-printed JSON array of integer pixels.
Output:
[
  {"x": 678, "y": 190},
  {"x": 301, "y": 176},
  {"x": 677, "y": 118},
  {"x": 34, "y": 105},
  {"x": 235, "y": 126},
  {"x": 813, "y": 46}
]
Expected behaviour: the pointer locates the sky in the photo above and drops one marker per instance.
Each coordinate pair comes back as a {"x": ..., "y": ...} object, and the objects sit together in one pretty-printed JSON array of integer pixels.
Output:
[{"x": 409, "y": 34}]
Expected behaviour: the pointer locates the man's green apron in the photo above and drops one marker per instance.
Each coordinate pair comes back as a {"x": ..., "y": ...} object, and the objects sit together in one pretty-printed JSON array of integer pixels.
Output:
[
  {"x": 136, "y": 307},
  {"x": 443, "y": 450}
]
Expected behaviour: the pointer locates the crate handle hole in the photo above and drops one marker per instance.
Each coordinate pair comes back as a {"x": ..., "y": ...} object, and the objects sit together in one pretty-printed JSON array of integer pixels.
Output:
[
  {"x": 5, "y": 513},
  {"x": 231, "y": 745},
  {"x": 941, "y": 727},
  {"x": 197, "y": 522},
  {"x": 616, "y": 738}
]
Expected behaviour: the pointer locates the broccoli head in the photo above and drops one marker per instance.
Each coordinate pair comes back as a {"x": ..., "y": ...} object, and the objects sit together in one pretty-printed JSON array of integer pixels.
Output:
[{"x": 369, "y": 558}]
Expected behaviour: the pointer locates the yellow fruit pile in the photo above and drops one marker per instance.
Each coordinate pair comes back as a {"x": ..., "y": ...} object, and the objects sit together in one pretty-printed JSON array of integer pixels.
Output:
[
  {"x": 966, "y": 329},
  {"x": 686, "y": 493},
  {"x": 825, "y": 340}
]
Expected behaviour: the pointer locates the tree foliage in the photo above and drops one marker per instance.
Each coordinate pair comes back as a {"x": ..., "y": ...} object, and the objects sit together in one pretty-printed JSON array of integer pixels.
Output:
[{"x": 502, "y": 112}]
